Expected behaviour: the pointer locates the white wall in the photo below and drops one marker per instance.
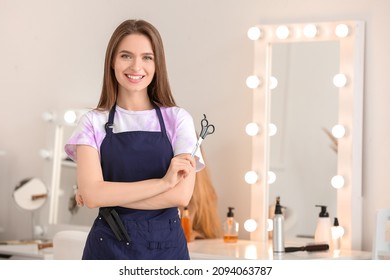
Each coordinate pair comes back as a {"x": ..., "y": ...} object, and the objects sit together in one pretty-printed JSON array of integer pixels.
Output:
[{"x": 51, "y": 58}]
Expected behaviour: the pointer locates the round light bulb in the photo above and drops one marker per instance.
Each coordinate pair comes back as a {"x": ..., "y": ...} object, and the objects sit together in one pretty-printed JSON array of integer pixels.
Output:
[
  {"x": 342, "y": 30},
  {"x": 250, "y": 225},
  {"x": 70, "y": 117},
  {"x": 338, "y": 131},
  {"x": 340, "y": 80},
  {"x": 271, "y": 177},
  {"x": 254, "y": 33},
  {"x": 252, "y": 129},
  {"x": 310, "y": 30},
  {"x": 48, "y": 116},
  {"x": 45, "y": 154},
  {"x": 253, "y": 82},
  {"x": 273, "y": 82},
  {"x": 251, "y": 177},
  {"x": 272, "y": 129},
  {"x": 282, "y": 32},
  {"x": 337, "y": 181}
]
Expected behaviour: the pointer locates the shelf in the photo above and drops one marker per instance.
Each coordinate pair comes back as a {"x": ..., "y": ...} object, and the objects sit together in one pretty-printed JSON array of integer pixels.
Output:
[{"x": 68, "y": 163}]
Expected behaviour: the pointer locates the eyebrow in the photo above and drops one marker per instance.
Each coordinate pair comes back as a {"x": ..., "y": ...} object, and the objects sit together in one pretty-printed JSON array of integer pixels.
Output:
[{"x": 127, "y": 52}]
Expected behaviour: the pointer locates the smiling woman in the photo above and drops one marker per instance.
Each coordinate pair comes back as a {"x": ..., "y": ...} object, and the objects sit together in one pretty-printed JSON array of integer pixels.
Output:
[
  {"x": 133, "y": 153},
  {"x": 134, "y": 69}
]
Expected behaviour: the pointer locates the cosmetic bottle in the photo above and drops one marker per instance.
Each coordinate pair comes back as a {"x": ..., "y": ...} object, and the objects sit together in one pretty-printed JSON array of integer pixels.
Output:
[
  {"x": 278, "y": 229},
  {"x": 337, "y": 233},
  {"x": 186, "y": 223},
  {"x": 323, "y": 229},
  {"x": 230, "y": 227}
]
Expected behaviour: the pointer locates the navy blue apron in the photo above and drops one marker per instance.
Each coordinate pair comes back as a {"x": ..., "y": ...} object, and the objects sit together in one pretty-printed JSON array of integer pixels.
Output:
[{"x": 153, "y": 234}]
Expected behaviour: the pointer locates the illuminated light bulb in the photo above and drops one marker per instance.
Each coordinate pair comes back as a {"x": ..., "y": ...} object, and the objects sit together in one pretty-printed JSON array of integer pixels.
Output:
[
  {"x": 250, "y": 225},
  {"x": 342, "y": 30},
  {"x": 252, "y": 129},
  {"x": 70, "y": 117},
  {"x": 271, "y": 177},
  {"x": 340, "y": 80},
  {"x": 282, "y": 32},
  {"x": 310, "y": 30},
  {"x": 270, "y": 225},
  {"x": 45, "y": 154},
  {"x": 337, "y": 181},
  {"x": 254, "y": 33},
  {"x": 338, "y": 131},
  {"x": 251, "y": 177},
  {"x": 48, "y": 116},
  {"x": 253, "y": 81},
  {"x": 272, "y": 129},
  {"x": 273, "y": 82}
]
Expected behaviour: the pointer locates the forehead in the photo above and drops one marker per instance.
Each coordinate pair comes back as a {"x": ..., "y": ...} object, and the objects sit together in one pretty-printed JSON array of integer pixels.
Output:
[{"x": 135, "y": 43}]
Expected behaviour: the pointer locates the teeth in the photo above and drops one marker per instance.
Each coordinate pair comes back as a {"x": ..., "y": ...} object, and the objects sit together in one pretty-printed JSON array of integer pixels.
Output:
[{"x": 134, "y": 77}]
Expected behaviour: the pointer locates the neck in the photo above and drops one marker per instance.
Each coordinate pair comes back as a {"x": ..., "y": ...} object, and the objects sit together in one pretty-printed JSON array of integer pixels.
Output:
[{"x": 135, "y": 101}]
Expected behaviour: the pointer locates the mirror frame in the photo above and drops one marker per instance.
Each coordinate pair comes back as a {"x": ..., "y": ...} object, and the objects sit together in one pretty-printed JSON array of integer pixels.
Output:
[{"x": 349, "y": 159}]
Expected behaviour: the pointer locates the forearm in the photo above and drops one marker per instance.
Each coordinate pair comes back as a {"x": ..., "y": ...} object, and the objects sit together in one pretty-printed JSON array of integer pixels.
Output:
[
  {"x": 175, "y": 197},
  {"x": 99, "y": 193},
  {"x": 96, "y": 192},
  {"x": 105, "y": 194}
]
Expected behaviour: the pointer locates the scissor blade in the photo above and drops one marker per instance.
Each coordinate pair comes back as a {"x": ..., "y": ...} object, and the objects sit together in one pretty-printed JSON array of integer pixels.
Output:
[{"x": 197, "y": 146}]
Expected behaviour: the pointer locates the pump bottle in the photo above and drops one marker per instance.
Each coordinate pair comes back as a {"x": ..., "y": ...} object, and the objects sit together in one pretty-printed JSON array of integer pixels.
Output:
[
  {"x": 278, "y": 229},
  {"x": 337, "y": 234},
  {"x": 230, "y": 227},
  {"x": 186, "y": 223},
  {"x": 323, "y": 229}
]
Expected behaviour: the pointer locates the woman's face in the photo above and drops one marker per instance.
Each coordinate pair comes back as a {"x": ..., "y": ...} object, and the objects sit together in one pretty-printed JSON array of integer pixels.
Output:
[{"x": 134, "y": 64}]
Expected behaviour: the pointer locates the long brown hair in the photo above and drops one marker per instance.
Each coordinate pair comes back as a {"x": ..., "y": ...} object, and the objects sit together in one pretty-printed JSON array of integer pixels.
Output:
[
  {"x": 159, "y": 90},
  {"x": 203, "y": 207}
]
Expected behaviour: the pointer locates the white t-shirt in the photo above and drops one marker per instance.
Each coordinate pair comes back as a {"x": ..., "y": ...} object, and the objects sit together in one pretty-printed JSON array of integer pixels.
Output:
[{"x": 178, "y": 123}]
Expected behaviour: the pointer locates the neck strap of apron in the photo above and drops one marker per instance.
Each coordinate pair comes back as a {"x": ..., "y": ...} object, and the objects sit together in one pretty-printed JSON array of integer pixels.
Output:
[{"x": 110, "y": 124}]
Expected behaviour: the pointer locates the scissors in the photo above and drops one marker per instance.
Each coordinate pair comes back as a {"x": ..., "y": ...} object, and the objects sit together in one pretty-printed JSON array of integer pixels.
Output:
[{"x": 206, "y": 130}]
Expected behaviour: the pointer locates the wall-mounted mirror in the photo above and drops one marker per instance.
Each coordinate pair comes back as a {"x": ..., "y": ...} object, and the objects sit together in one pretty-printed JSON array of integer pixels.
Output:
[
  {"x": 63, "y": 209},
  {"x": 303, "y": 154},
  {"x": 325, "y": 61}
]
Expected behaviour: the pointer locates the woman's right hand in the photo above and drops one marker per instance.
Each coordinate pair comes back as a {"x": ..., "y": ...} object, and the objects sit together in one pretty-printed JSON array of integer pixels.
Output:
[{"x": 180, "y": 167}]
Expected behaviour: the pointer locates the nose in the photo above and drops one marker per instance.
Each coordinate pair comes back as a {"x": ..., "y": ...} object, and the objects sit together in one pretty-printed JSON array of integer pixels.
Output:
[{"x": 136, "y": 64}]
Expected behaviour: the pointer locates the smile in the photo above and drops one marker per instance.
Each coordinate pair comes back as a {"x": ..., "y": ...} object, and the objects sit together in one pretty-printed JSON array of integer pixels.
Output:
[{"x": 137, "y": 77}]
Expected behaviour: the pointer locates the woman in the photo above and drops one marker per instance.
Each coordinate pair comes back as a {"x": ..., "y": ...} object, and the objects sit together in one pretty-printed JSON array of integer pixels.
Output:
[{"x": 133, "y": 153}]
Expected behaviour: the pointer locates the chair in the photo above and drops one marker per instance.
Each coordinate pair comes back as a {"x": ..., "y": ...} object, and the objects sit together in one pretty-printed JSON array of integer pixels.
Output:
[
  {"x": 381, "y": 240},
  {"x": 69, "y": 244}
]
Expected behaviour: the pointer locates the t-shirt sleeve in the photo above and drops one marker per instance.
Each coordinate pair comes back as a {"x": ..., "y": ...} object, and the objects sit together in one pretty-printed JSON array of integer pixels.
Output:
[
  {"x": 186, "y": 138},
  {"x": 82, "y": 135}
]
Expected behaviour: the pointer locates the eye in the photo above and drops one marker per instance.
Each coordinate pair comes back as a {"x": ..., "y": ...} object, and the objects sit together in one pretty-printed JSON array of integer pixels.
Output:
[
  {"x": 148, "y": 57},
  {"x": 125, "y": 56}
]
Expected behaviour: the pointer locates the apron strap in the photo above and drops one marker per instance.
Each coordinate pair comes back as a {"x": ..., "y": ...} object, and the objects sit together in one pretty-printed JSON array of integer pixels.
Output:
[
  {"x": 110, "y": 124},
  {"x": 161, "y": 120}
]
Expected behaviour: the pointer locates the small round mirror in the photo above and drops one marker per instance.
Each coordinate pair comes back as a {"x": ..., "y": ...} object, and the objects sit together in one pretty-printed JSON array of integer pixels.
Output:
[{"x": 30, "y": 194}]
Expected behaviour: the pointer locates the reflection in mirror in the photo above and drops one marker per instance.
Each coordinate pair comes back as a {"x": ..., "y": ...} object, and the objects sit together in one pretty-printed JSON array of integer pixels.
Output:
[
  {"x": 30, "y": 194},
  {"x": 304, "y": 106},
  {"x": 349, "y": 38}
]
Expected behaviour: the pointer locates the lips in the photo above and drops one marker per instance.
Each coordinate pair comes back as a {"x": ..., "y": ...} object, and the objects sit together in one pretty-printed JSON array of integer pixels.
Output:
[{"x": 135, "y": 77}]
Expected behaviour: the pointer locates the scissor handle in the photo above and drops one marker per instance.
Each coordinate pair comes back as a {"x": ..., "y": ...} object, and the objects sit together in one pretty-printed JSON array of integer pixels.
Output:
[
  {"x": 210, "y": 129},
  {"x": 204, "y": 122}
]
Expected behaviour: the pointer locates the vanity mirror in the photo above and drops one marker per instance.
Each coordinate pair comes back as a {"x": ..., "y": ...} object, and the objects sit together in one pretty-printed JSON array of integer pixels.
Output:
[
  {"x": 345, "y": 39},
  {"x": 62, "y": 205}
]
